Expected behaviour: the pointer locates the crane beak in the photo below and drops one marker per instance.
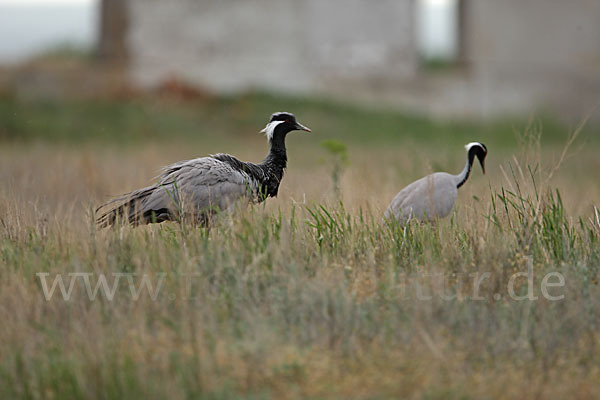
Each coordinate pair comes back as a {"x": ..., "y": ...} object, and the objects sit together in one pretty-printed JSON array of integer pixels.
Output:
[
  {"x": 482, "y": 162},
  {"x": 301, "y": 127}
]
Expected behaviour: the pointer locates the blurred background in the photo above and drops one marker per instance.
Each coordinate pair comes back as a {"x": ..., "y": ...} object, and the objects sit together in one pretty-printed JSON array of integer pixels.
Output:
[
  {"x": 136, "y": 84},
  {"x": 467, "y": 58}
]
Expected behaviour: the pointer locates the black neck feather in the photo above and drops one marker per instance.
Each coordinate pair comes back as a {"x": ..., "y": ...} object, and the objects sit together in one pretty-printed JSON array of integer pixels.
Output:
[
  {"x": 464, "y": 175},
  {"x": 268, "y": 173}
]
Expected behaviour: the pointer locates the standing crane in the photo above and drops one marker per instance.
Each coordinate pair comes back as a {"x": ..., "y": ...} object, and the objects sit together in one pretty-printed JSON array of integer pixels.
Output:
[
  {"x": 204, "y": 186},
  {"x": 433, "y": 196}
]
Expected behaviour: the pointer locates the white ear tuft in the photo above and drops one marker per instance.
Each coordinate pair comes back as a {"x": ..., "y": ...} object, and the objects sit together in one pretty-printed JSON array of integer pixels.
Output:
[
  {"x": 270, "y": 129},
  {"x": 468, "y": 146}
]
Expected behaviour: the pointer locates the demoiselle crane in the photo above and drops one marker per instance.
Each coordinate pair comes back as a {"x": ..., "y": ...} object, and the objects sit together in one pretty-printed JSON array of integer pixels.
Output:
[
  {"x": 433, "y": 196},
  {"x": 204, "y": 186}
]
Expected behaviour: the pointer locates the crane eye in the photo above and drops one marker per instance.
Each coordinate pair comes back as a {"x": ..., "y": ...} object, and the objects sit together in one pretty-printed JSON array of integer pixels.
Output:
[{"x": 287, "y": 120}]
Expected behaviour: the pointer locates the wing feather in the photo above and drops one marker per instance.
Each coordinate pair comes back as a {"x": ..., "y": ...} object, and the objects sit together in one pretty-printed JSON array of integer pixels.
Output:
[
  {"x": 427, "y": 198},
  {"x": 199, "y": 186}
]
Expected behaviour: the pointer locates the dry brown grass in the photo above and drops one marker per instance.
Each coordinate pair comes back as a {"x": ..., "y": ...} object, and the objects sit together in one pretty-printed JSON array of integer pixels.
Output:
[{"x": 282, "y": 312}]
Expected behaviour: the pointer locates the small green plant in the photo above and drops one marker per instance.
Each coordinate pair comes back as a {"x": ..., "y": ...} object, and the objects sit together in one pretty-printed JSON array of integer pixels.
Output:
[{"x": 339, "y": 156}]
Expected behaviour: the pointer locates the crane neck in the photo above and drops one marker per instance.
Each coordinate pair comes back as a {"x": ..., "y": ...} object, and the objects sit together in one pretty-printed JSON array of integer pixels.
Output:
[
  {"x": 276, "y": 159},
  {"x": 464, "y": 175}
]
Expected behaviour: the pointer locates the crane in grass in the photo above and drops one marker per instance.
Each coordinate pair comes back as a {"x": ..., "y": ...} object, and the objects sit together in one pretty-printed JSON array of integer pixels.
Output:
[
  {"x": 433, "y": 196},
  {"x": 201, "y": 187}
]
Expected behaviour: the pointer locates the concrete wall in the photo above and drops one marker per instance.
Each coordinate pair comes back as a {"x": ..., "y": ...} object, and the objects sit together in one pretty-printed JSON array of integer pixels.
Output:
[
  {"x": 527, "y": 55},
  {"x": 299, "y": 45},
  {"x": 112, "y": 46},
  {"x": 520, "y": 56}
]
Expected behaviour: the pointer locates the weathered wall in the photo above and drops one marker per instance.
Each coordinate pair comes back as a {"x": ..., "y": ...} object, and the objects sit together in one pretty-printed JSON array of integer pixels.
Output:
[
  {"x": 520, "y": 56},
  {"x": 112, "y": 46},
  {"x": 298, "y": 45},
  {"x": 532, "y": 54}
]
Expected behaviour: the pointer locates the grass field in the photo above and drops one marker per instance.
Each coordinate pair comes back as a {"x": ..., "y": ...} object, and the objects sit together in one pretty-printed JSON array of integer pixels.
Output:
[{"x": 308, "y": 295}]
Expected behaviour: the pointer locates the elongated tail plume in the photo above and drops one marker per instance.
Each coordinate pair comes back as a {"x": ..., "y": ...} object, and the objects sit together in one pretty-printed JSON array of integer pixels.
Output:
[{"x": 132, "y": 208}]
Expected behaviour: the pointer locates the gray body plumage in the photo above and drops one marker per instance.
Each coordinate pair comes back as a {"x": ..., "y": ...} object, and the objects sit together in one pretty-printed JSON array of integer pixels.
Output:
[
  {"x": 197, "y": 187},
  {"x": 206, "y": 183},
  {"x": 425, "y": 199},
  {"x": 433, "y": 196}
]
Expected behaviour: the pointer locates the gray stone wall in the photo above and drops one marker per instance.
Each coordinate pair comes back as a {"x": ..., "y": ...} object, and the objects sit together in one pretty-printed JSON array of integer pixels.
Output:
[
  {"x": 518, "y": 56},
  {"x": 298, "y": 45},
  {"x": 535, "y": 54}
]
